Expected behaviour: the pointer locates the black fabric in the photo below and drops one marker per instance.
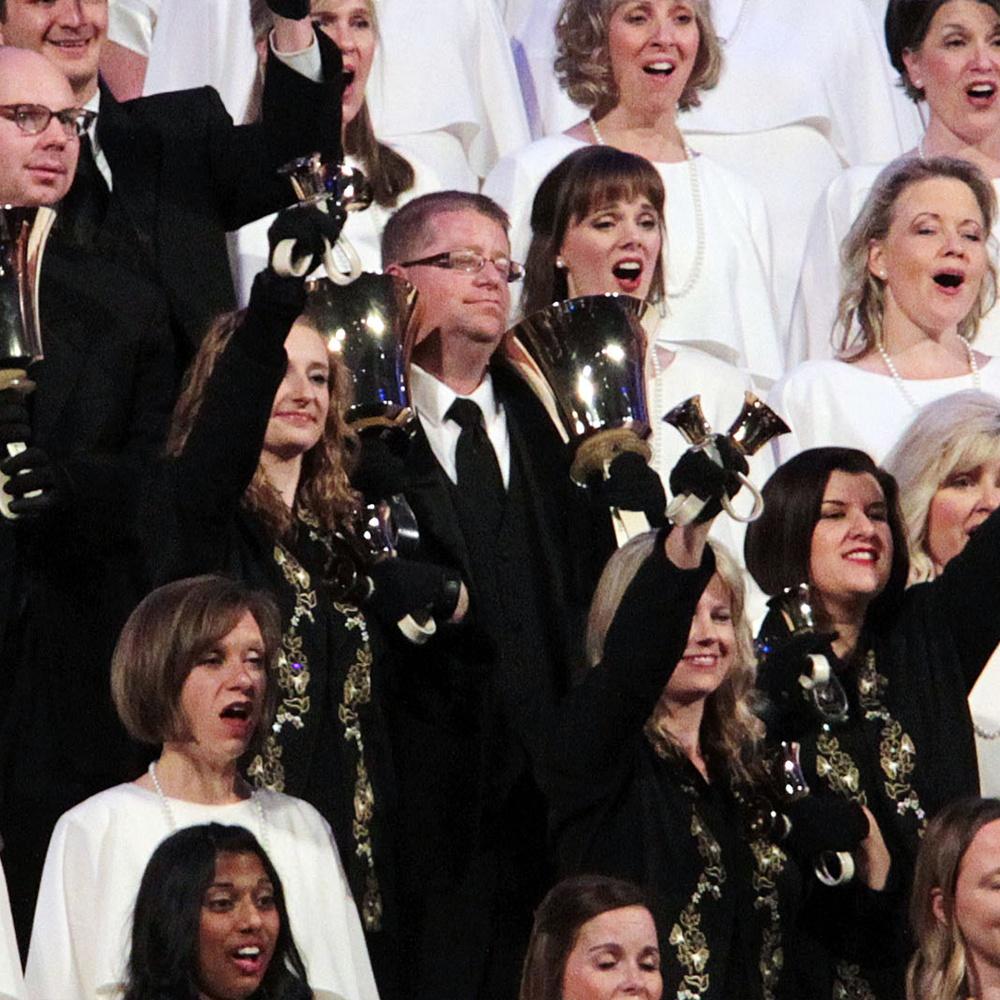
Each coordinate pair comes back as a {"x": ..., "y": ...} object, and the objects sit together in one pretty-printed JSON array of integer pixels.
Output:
[
  {"x": 68, "y": 581},
  {"x": 479, "y": 478},
  {"x": 83, "y": 211}
]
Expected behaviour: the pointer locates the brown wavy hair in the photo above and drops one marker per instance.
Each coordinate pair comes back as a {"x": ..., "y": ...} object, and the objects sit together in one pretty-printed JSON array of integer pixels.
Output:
[
  {"x": 324, "y": 492},
  {"x": 583, "y": 62},
  {"x": 730, "y": 731}
]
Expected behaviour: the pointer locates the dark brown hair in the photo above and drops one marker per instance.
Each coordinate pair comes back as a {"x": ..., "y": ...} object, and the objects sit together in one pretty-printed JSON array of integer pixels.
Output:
[{"x": 168, "y": 634}]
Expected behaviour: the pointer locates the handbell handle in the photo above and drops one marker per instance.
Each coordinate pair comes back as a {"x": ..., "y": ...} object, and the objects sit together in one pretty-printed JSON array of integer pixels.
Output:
[{"x": 756, "y": 424}]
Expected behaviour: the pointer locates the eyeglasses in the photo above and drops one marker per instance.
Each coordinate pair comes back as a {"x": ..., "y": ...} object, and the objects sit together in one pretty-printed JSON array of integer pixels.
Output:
[
  {"x": 33, "y": 119},
  {"x": 470, "y": 261}
]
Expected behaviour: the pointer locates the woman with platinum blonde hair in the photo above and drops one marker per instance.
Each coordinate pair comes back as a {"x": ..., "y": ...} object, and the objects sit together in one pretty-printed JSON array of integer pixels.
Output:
[
  {"x": 633, "y": 64},
  {"x": 917, "y": 279},
  {"x": 953, "y": 906}
]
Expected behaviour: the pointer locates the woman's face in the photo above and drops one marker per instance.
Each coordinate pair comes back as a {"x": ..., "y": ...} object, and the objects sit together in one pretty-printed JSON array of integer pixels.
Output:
[
  {"x": 238, "y": 929},
  {"x": 351, "y": 26},
  {"x": 977, "y": 900},
  {"x": 652, "y": 46},
  {"x": 711, "y": 647},
  {"x": 302, "y": 402},
  {"x": 958, "y": 68},
  {"x": 933, "y": 259},
  {"x": 851, "y": 554},
  {"x": 613, "y": 249},
  {"x": 962, "y": 502},
  {"x": 615, "y": 955},
  {"x": 223, "y": 695}
]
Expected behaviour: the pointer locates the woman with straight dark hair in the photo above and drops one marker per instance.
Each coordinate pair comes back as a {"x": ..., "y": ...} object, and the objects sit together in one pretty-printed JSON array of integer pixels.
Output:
[
  {"x": 907, "y": 660},
  {"x": 570, "y": 942},
  {"x": 211, "y": 921}
]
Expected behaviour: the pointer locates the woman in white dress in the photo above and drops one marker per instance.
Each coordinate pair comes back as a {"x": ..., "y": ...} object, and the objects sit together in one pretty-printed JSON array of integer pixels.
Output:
[
  {"x": 195, "y": 669},
  {"x": 11, "y": 978},
  {"x": 918, "y": 278},
  {"x": 947, "y": 464},
  {"x": 633, "y": 64},
  {"x": 395, "y": 178},
  {"x": 947, "y": 53}
]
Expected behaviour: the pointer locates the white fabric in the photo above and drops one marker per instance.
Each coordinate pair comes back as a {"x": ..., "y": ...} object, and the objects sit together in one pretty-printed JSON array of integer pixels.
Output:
[
  {"x": 432, "y": 399},
  {"x": 836, "y": 403},
  {"x": 95, "y": 861},
  {"x": 729, "y": 311},
  {"x": 131, "y": 24},
  {"x": 11, "y": 980},
  {"x": 984, "y": 705},
  {"x": 248, "y": 246},
  {"x": 819, "y": 283}
]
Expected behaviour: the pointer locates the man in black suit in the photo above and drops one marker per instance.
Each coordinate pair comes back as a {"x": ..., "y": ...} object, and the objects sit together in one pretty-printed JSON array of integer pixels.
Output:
[
  {"x": 488, "y": 478},
  {"x": 162, "y": 179},
  {"x": 68, "y": 562}
]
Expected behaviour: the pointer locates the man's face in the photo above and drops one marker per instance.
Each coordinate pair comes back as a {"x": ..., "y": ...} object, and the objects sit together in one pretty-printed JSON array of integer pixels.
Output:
[
  {"x": 70, "y": 33},
  {"x": 34, "y": 169},
  {"x": 462, "y": 305}
]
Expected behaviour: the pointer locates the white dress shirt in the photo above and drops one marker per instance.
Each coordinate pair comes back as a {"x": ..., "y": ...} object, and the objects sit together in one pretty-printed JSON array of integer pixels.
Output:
[{"x": 432, "y": 399}]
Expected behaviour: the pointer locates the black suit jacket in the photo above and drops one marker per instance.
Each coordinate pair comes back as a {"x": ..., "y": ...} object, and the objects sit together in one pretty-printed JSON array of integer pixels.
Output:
[{"x": 184, "y": 175}]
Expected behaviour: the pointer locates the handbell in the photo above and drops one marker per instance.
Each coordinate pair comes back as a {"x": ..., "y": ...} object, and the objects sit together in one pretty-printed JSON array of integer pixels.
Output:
[
  {"x": 318, "y": 182},
  {"x": 755, "y": 425}
]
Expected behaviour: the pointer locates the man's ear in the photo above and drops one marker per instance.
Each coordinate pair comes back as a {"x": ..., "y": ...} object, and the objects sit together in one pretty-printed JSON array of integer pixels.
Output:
[{"x": 395, "y": 269}]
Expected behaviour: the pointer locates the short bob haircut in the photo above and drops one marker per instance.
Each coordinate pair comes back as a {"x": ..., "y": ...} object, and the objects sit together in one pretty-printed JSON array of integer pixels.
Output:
[
  {"x": 939, "y": 969},
  {"x": 165, "y": 928},
  {"x": 730, "y": 731},
  {"x": 906, "y": 25},
  {"x": 410, "y": 227},
  {"x": 583, "y": 61},
  {"x": 582, "y": 183},
  {"x": 952, "y": 435},
  {"x": 558, "y": 919},
  {"x": 778, "y": 545},
  {"x": 168, "y": 634},
  {"x": 862, "y": 301}
]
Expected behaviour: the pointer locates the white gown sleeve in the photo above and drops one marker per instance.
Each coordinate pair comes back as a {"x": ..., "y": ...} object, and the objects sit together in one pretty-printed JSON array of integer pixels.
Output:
[
  {"x": 131, "y": 24},
  {"x": 11, "y": 979}
]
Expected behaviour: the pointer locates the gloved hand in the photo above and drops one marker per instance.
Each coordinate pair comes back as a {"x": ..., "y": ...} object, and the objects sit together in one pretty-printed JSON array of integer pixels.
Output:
[
  {"x": 696, "y": 473},
  {"x": 308, "y": 226},
  {"x": 30, "y": 471},
  {"x": 787, "y": 713},
  {"x": 292, "y": 9},
  {"x": 633, "y": 485},
  {"x": 15, "y": 423},
  {"x": 824, "y": 822},
  {"x": 381, "y": 471},
  {"x": 402, "y": 587}
]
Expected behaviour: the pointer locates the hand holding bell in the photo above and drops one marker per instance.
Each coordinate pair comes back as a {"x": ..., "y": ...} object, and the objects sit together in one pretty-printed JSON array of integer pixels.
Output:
[
  {"x": 300, "y": 238},
  {"x": 755, "y": 425}
]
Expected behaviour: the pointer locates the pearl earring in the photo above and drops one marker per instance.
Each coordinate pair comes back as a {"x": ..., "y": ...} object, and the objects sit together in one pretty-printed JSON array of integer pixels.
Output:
[{"x": 560, "y": 263}]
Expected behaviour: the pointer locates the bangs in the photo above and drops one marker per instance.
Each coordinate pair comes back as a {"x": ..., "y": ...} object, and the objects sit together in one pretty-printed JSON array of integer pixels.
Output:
[
  {"x": 982, "y": 448},
  {"x": 599, "y": 187}
]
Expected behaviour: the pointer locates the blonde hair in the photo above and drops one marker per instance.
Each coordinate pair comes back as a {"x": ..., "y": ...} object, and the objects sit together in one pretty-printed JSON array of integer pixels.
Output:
[
  {"x": 324, "y": 491},
  {"x": 939, "y": 967},
  {"x": 954, "y": 434},
  {"x": 730, "y": 731},
  {"x": 583, "y": 62},
  {"x": 861, "y": 308}
]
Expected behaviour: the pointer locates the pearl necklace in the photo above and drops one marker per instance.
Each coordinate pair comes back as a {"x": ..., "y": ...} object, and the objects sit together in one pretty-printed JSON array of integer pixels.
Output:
[
  {"x": 901, "y": 382},
  {"x": 985, "y": 734},
  {"x": 699, "y": 217},
  {"x": 659, "y": 409},
  {"x": 172, "y": 819}
]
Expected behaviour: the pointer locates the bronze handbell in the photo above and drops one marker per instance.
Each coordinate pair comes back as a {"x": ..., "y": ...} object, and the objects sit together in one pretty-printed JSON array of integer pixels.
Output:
[
  {"x": 23, "y": 232},
  {"x": 755, "y": 425},
  {"x": 318, "y": 182}
]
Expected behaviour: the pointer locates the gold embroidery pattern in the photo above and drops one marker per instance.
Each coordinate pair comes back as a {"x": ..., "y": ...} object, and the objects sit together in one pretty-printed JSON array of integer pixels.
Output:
[
  {"x": 838, "y": 769},
  {"x": 267, "y": 769},
  {"x": 849, "y": 984},
  {"x": 897, "y": 753},
  {"x": 769, "y": 863}
]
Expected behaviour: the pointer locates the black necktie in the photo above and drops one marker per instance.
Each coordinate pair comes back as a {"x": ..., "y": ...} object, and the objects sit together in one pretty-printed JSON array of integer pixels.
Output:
[
  {"x": 83, "y": 209},
  {"x": 479, "y": 477}
]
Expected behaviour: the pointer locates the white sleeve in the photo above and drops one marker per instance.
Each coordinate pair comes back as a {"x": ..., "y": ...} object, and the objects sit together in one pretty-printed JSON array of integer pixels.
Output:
[
  {"x": 131, "y": 24},
  {"x": 11, "y": 980}
]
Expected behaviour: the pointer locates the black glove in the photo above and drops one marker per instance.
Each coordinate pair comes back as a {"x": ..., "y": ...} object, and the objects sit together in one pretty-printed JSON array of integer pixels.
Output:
[
  {"x": 295, "y": 10},
  {"x": 698, "y": 474},
  {"x": 15, "y": 423},
  {"x": 787, "y": 712},
  {"x": 824, "y": 822},
  {"x": 633, "y": 485},
  {"x": 308, "y": 226},
  {"x": 30, "y": 471},
  {"x": 381, "y": 471},
  {"x": 402, "y": 587}
]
